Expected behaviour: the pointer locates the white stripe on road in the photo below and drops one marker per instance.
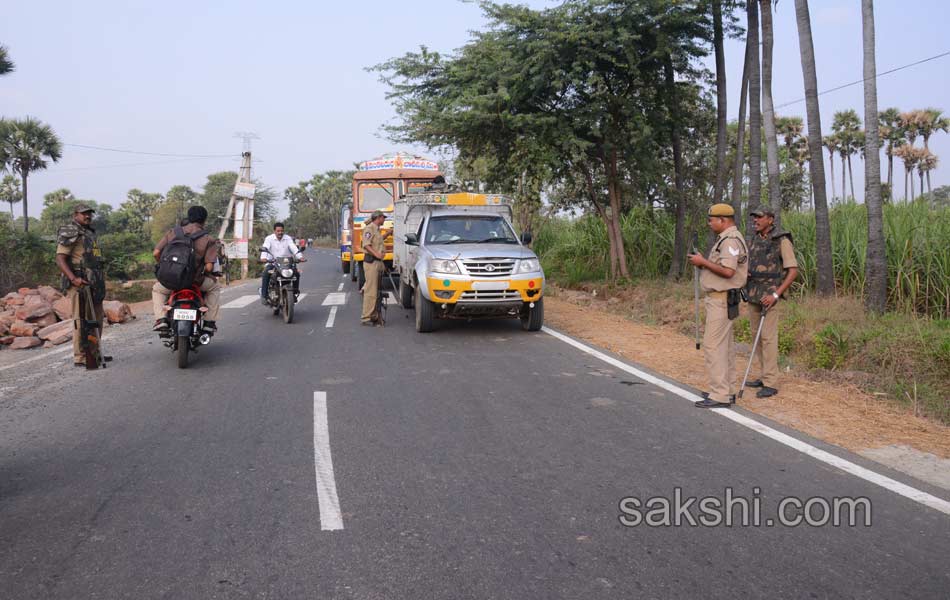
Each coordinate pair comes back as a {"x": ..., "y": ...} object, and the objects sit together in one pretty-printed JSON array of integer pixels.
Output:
[
  {"x": 39, "y": 357},
  {"x": 242, "y": 301},
  {"x": 340, "y": 288},
  {"x": 301, "y": 297},
  {"x": 335, "y": 299},
  {"x": 332, "y": 317},
  {"x": 803, "y": 447},
  {"x": 330, "y": 517}
]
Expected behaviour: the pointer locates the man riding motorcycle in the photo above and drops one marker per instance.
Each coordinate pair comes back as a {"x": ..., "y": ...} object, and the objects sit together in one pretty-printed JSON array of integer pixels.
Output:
[
  {"x": 277, "y": 245},
  {"x": 205, "y": 253}
]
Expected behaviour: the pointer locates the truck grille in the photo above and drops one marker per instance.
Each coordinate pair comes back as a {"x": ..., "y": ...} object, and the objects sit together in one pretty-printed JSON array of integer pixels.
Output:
[
  {"x": 489, "y": 267},
  {"x": 489, "y": 296}
]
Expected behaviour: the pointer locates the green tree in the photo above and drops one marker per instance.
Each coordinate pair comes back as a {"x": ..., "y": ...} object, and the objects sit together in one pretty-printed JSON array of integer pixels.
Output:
[
  {"x": 10, "y": 191},
  {"x": 27, "y": 145},
  {"x": 875, "y": 298},
  {"x": 892, "y": 134},
  {"x": 216, "y": 194},
  {"x": 847, "y": 126},
  {"x": 768, "y": 111},
  {"x": 6, "y": 65},
  {"x": 58, "y": 196},
  {"x": 56, "y": 214},
  {"x": 930, "y": 121},
  {"x": 315, "y": 204}
]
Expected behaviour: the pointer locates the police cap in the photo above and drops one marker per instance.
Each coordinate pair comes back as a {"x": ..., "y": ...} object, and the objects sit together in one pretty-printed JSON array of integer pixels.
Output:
[
  {"x": 376, "y": 214},
  {"x": 762, "y": 211},
  {"x": 83, "y": 208},
  {"x": 721, "y": 210}
]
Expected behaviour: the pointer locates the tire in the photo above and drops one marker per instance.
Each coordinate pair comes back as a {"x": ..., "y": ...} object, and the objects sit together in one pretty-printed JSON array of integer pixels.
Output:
[
  {"x": 425, "y": 312},
  {"x": 345, "y": 265},
  {"x": 289, "y": 306},
  {"x": 360, "y": 275},
  {"x": 184, "y": 345},
  {"x": 532, "y": 319},
  {"x": 405, "y": 293}
]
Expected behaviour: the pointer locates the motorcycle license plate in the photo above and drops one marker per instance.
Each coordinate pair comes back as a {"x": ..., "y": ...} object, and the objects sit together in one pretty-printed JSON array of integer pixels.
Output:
[{"x": 184, "y": 314}]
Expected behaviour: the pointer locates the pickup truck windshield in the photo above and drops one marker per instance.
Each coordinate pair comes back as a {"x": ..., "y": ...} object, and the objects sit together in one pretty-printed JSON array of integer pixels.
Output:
[{"x": 469, "y": 230}]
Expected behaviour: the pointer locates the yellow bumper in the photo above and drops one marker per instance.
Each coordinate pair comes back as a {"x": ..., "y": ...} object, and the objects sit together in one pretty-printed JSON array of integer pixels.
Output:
[
  {"x": 358, "y": 257},
  {"x": 530, "y": 290},
  {"x": 345, "y": 256}
]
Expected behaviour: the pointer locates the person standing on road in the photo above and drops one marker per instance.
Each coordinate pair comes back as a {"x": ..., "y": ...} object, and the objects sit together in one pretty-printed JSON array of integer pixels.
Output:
[
  {"x": 374, "y": 251},
  {"x": 723, "y": 274},
  {"x": 772, "y": 270},
  {"x": 80, "y": 261},
  {"x": 206, "y": 253},
  {"x": 277, "y": 245}
]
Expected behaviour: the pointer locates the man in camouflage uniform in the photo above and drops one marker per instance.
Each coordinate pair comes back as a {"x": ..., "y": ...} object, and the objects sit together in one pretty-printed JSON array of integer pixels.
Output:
[
  {"x": 725, "y": 270},
  {"x": 374, "y": 249},
  {"x": 772, "y": 269},
  {"x": 80, "y": 262}
]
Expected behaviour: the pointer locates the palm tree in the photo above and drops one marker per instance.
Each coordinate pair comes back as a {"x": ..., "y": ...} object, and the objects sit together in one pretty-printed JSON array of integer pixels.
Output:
[
  {"x": 930, "y": 121},
  {"x": 908, "y": 155},
  {"x": 875, "y": 269},
  {"x": 768, "y": 111},
  {"x": 26, "y": 145},
  {"x": 722, "y": 115},
  {"x": 6, "y": 65},
  {"x": 826, "y": 279},
  {"x": 847, "y": 125},
  {"x": 927, "y": 164},
  {"x": 755, "y": 108},
  {"x": 10, "y": 191},
  {"x": 830, "y": 142},
  {"x": 739, "y": 165},
  {"x": 892, "y": 134}
]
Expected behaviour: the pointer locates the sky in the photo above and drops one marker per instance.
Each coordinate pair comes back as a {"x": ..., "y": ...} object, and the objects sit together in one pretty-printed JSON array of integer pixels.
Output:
[{"x": 182, "y": 78}]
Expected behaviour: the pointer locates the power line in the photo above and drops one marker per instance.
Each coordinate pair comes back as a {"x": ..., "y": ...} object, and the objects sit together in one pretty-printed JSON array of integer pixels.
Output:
[
  {"x": 104, "y": 149},
  {"x": 140, "y": 164},
  {"x": 894, "y": 70}
]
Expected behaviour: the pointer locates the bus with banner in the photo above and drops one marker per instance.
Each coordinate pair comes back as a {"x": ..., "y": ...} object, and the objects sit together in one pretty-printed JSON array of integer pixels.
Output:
[{"x": 377, "y": 184}]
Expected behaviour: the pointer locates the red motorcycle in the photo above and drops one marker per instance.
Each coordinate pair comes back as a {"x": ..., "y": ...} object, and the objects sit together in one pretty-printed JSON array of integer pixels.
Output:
[{"x": 184, "y": 313}]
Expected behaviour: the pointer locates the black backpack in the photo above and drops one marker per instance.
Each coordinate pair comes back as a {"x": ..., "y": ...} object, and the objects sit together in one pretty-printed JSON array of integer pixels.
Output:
[{"x": 177, "y": 267}]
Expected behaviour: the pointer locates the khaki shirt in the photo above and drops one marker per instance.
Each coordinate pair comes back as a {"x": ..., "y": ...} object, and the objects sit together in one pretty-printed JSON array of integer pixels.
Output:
[
  {"x": 788, "y": 253},
  {"x": 76, "y": 249},
  {"x": 729, "y": 251},
  {"x": 373, "y": 238}
]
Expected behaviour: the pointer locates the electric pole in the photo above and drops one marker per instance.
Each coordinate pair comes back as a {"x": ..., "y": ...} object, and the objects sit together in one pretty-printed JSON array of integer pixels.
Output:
[{"x": 241, "y": 206}]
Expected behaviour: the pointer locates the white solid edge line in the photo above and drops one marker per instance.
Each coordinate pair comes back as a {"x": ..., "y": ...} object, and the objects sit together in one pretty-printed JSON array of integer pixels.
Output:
[
  {"x": 803, "y": 447},
  {"x": 340, "y": 288},
  {"x": 331, "y": 519},
  {"x": 38, "y": 357},
  {"x": 331, "y": 318}
]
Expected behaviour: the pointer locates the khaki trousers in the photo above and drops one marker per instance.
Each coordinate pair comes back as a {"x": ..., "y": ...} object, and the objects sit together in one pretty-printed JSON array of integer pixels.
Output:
[
  {"x": 719, "y": 349},
  {"x": 212, "y": 296},
  {"x": 73, "y": 294},
  {"x": 373, "y": 272},
  {"x": 766, "y": 354}
]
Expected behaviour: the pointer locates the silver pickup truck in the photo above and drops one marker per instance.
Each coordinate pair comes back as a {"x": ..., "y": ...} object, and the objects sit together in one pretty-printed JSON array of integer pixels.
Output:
[{"x": 458, "y": 257}]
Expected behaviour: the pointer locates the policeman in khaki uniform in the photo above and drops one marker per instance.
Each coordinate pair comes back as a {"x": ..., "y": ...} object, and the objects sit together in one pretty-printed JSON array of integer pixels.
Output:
[
  {"x": 772, "y": 269},
  {"x": 374, "y": 251},
  {"x": 726, "y": 269},
  {"x": 80, "y": 262}
]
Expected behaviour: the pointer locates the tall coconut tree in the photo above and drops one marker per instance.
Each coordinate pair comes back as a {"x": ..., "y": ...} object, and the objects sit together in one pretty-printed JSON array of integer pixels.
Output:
[
  {"x": 892, "y": 135},
  {"x": 830, "y": 142},
  {"x": 28, "y": 145},
  {"x": 826, "y": 278},
  {"x": 10, "y": 191},
  {"x": 875, "y": 269},
  {"x": 847, "y": 125},
  {"x": 930, "y": 121},
  {"x": 739, "y": 165},
  {"x": 755, "y": 106},
  {"x": 909, "y": 156},
  {"x": 768, "y": 111},
  {"x": 722, "y": 114},
  {"x": 926, "y": 163}
]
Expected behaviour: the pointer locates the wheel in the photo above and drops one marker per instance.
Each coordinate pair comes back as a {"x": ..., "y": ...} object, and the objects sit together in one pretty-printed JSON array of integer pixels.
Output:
[
  {"x": 425, "y": 313},
  {"x": 533, "y": 318},
  {"x": 289, "y": 306},
  {"x": 405, "y": 293},
  {"x": 345, "y": 265},
  {"x": 184, "y": 346},
  {"x": 360, "y": 275}
]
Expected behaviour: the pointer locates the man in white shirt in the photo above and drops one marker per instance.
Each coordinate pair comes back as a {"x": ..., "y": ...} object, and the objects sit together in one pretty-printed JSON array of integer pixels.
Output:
[{"x": 277, "y": 245}]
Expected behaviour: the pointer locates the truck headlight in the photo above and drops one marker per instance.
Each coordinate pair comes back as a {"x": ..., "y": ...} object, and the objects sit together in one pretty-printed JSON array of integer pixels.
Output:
[
  {"x": 438, "y": 265},
  {"x": 529, "y": 265}
]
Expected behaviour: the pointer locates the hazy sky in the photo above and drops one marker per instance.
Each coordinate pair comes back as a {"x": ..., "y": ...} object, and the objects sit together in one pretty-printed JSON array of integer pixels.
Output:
[{"x": 182, "y": 77}]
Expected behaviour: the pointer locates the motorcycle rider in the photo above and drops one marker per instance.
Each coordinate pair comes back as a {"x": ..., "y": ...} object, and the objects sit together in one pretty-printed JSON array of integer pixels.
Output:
[
  {"x": 206, "y": 252},
  {"x": 278, "y": 245}
]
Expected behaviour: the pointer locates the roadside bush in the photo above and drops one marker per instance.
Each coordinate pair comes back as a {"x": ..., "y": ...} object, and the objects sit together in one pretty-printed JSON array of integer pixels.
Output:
[
  {"x": 26, "y": 260},
  {"x": 127, "y": 256}
]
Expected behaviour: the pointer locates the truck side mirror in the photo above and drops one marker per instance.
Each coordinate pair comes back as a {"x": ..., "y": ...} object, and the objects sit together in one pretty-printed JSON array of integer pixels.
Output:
[
  {"x": 526, "y": 237},
  {"x": 412, "y": 239}
]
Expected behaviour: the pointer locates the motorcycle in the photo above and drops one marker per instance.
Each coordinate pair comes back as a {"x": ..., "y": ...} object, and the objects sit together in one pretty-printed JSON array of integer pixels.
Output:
[
  {"x": 280, "y": 294},
  {"x": 184, "y": 313}
]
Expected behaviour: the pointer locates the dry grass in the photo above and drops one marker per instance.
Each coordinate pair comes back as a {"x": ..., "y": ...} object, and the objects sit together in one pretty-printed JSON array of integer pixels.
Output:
[{"x": 827, "y": 407}]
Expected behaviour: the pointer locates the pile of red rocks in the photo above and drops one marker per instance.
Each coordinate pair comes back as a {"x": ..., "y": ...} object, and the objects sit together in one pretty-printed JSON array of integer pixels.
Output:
[{"x": 42, "y": 317}]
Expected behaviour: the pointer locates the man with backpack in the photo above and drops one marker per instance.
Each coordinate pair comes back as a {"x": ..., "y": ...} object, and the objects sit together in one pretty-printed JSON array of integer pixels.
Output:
[{"x": 185, "y": 257}]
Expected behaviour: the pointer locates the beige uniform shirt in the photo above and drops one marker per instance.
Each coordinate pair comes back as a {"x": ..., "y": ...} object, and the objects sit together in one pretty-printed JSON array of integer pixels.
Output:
[
  {"x": 372, "y": 238},
  {"x": 729, "y": 251}
]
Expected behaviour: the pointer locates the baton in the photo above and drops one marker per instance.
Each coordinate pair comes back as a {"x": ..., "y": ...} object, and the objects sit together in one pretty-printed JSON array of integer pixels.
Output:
[
  {"x": 755, "y": 343},
  {"x": 696, "y": 297}
]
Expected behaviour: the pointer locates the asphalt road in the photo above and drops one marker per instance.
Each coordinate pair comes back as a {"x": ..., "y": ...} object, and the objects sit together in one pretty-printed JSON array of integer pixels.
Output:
[{"x": 478, "y": 461}]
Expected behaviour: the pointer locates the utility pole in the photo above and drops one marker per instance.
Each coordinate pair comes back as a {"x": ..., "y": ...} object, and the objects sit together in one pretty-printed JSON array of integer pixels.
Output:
[{"x": 241, "y": 206}]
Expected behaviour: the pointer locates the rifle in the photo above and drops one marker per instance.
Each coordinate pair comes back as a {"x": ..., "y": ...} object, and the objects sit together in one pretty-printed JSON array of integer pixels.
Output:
[
  {"x": 89, "y": 328},
  {"x": 696, "y": 290}
]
